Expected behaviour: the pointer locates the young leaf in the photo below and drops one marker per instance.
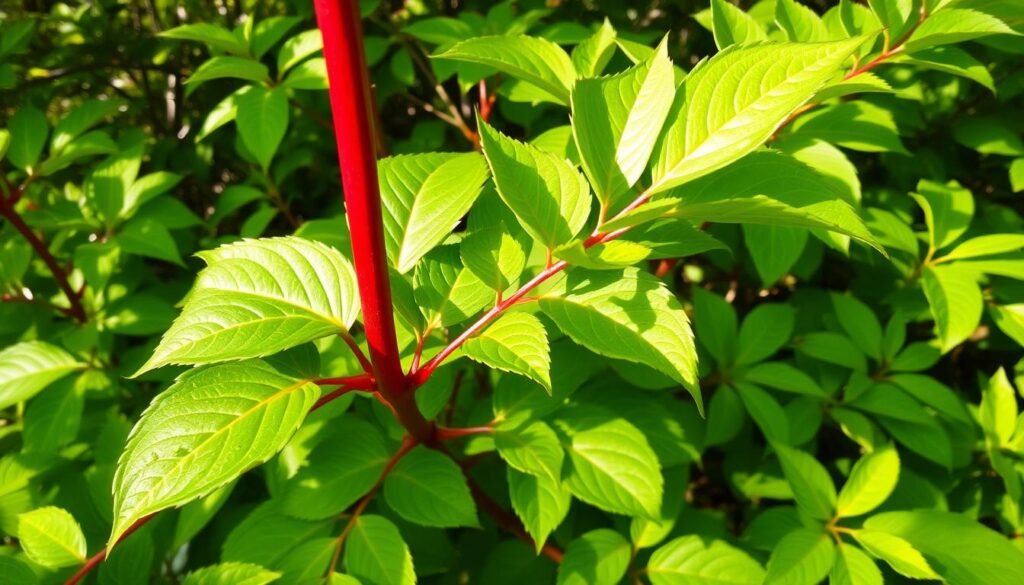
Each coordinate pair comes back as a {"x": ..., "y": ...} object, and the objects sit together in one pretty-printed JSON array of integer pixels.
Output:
[
  {"x": 955, "y": 25},
  {"x": 428, "y": 488},
  {"x": 531, "y": 448},
  {"x": 28, "y": 130},
  {"x": 590, "y": 56},
  {"x": 231, "y": 574},
  {"x": 212, "y": 35},
  {"x": 757, "y": 88},
  {"x": 297, "y": 48},
  {"x": 897, "y": 552},
  {"x": 871, "y": 481},
  {"x": 611, "y": 464},
  {"x": 855, "y": 125},
  {"x": 803, "y": 556},
  {"x": 517, "y": 343},
  {"x": 811, "y": 484},
  {"x": 616, "y": 121},
  {"x": 987, "y": 245},
  {"x": 262, "y": 120},
  {"x": 859, "y": 323},
  {"x": 764, "y": 331},
  {"x": 446, "y": 291},
  {"x": 799, "y": 22},
  {"x": 955, "y": 302},
  {"x": 51, "y": 537},
  {"x": 534, "y": 60},
  {"x": 548, "y": 195},
  {"x": 375, "y": 553},
  {"x": 540, "y": 502},
  {"x": 730, "y": 25},
  {"x": 773, "y": 249},
  {"x": 207, "y": 429},
  {"x": 998, "y": 410},
  {"x": 28, "y": 367},
  {"x": 229, "y": 67},
  {"x": 963, "y": 550},
  {"x": 339, "y": 471},
  {"x": 694, "y": 559},
  {"x": 424, "y": 197},
  {"x": 948, "y": 210},
  {"x": 598, "y": 557},
  {"x": 259, "y": 297},
  {"x": 787, "y": 192},
  {"x": 853, "y": 567},
  {"x": 631, "y": 316}
]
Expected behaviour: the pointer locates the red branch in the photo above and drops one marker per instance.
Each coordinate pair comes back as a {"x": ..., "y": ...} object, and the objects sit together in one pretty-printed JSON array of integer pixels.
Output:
[
  {"x": 447, "y": 433},
  {"x": 7, "y": 211},
  {"x": 97, "y": 558},
  {"x": 352, "y": 110}
]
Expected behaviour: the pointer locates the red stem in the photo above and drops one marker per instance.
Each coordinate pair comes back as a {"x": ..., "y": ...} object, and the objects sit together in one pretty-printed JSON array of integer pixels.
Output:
[
  {"x": 7, "y": 211},
  {"x": 352, "y": 110},
  {"x": 97, "y": 558},
  {"x": 447, "y": 433}
]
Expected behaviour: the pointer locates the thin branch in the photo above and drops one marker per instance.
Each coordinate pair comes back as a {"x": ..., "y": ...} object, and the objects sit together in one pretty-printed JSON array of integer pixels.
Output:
[
  {"x": 407, "y": 444},
  {"x": 8, "y": 212},
  {"x": 364, "y": 362},
  {"x": 96, "y": 559},
  {"x": 447, "y": 433}
]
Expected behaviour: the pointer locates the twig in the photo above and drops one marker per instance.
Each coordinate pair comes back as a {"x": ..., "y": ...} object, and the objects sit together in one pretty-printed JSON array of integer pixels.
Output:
[{"x": 96, "y": 559}]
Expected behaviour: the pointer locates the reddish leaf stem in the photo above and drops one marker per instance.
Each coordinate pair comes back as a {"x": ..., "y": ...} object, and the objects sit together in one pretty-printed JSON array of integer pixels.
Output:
[
  {"x": 8, "y": 212},
  {"x": 352, "y": 110},
  {"x": 448, "y": 433},
  {"x": 97, "y": 558}
]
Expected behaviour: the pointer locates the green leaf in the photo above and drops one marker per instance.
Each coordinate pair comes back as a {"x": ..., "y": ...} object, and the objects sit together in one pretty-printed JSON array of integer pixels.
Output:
[
  {"x": 859, "y": 323},
  {"x": 646, "y": 533},
  {"x": 897, "y": 552},
  {"x": 80, "y": 119},
  {"x": 988, "y": 135},
  {"x": 424, "y": 197},
  {"x": 339, "y": 470},
  {"x": 268, "y": 537},
  {"x": 590, "y": 57},
  {"x": 613, "y": 255},
  {"x": 616, "y": 121},
  {"x": 28, "y": 129},
  {"x": 731, "y": 26},
  {"x": 955, "y": 302},
  {"x": 856, "y": 125},
  {"x": 799, "y": 22},
  {"x": 212, "y": 35},
  {"x": 540, "y": 502},
  {"x": 428, "y": 488},
  {"x": 715, "y": 321},
  {"x": 548, "y": 195},
  {"x": 986, "y": 245},
  {"x": 811, "y": 484},
  {"x": 231, "y": 574},
  {"x": 598, "y": 557},
  {"x": 693, "y": 559},
  {"x": 446, "y": 291},
  {"x": 531, "y": 448},
  {"x": 961, "y": 549},
  {"x": 376, "y": 554},
  {"x": 853, "y": 567},
  {"x": 262, "y": 120},
  {"x": 297, "y": 48},
  {"x": 802, "y": 557},
  {"x": 948, "y": 210},
  {"x": 229, "y": 67},
  {"x": 147, "y": 237},
  {"x": 611, "y": 465},
  {"x": 871, "y": 481},
  {"x": 53, "y": 419},
  {"x": 787, "y": 192},
  {"x": 833, "y": 348},
  {"x": 534, "y": 60},
  {"x": 998, "y": 410},
  {"x": 631, "y": 316},
  {"x": 759, "y": 87},
  {"x": 764, "y": 331},
  {"x": 28, "y": 367},
  {"x": 517, "y": 343},
  {"x": 259, "y": 297},
  {"x": 15, "y": 572},
  {"x": 896, "y": 15},
  {"x": 209, "y": 427},
  {"x": 440, "y": 30},
  {"x": 954, "y": 25},
  {"x": 765, "y": 410},
  {"x": 773, "y": 249},
  {"x": 952, "y": 60},
  {"x": 784, "y": 377},
  {"x": 268, "y": 31},
  {"x": 51, "y": 537}
]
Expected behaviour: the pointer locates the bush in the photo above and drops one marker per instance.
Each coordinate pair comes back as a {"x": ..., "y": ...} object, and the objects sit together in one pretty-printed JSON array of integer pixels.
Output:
[{"x": 480, "y": 367}]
